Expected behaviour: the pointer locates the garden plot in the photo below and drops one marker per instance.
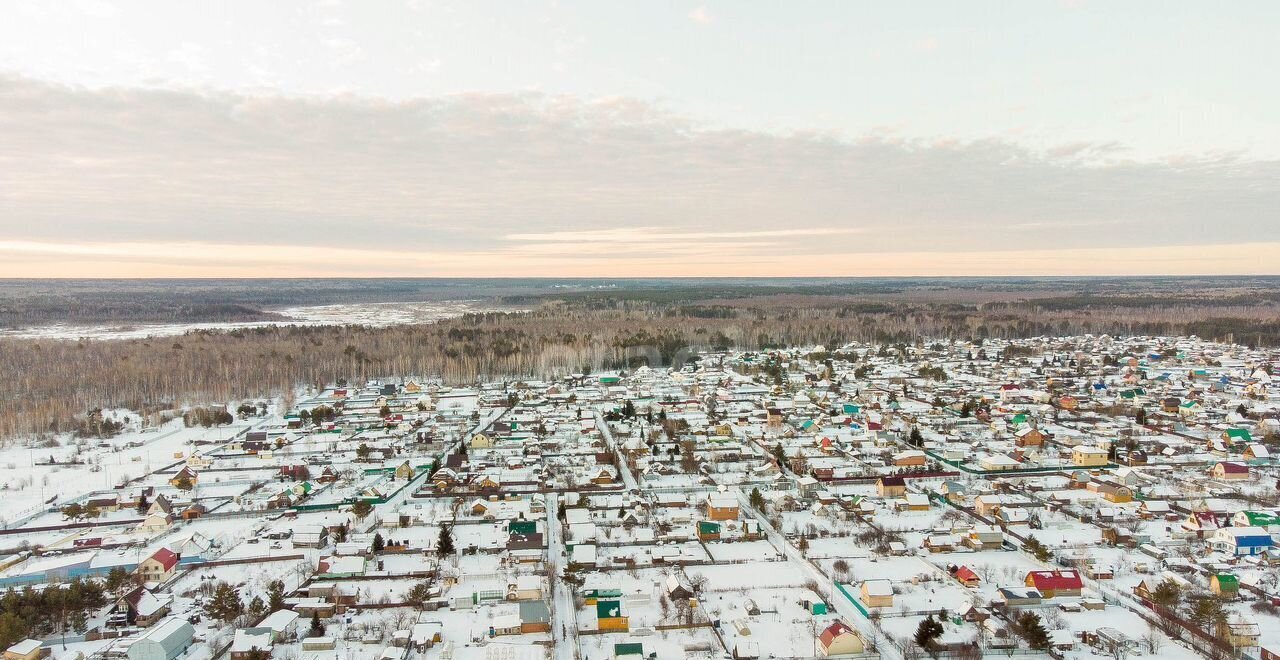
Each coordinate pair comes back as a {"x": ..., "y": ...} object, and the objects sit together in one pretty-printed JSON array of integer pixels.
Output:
[
  {"x": 672, "y": 481},
  {"x": 409, "y": 562},
  {"x": 995, "y": 569},
  {"x": 369, "y": 482},
  {"x": 903, "y": 628},
  {"x": 914, "y": 526},
  {"x": 1127, "y": 622},
  {"x": 860, "y": 489},
  {"x": 479, "y": 536},
  {"x": 251, "y": 578},
  {"x": 416, "y": 537},
  {"x": 826, "y": 550},
  {"x": 918, "y": 585},
  {"x": 743, "y": 551},
  {"x": 32, "y": 483},
  {"x": 747, "y": 576},
  {"x": 646, "y": 555},
  {"x": 812, "y": 524},
  {"x": 376, "y": 592},
  {"x": 666, "y": 643},
  {"x": 776, "y": 620},
  {"x": 463, "y": 566},
  {"x": 1058, "y": 529}
]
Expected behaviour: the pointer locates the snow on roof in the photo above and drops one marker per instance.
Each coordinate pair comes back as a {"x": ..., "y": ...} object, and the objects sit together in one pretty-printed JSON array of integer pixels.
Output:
[
  {"x": 247, "y": 639},
  {"x": 24, "y": 647},
  {"x": 279, "y": 620},
  {"x": 878, "y": 587}
]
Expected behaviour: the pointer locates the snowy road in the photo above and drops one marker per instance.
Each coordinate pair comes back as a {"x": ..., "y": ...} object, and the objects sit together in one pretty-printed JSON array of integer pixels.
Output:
[
  {"x": 627, "y": 478},
  {"x": 847, "y": 611},
  {"x": 564, "y": 626}
]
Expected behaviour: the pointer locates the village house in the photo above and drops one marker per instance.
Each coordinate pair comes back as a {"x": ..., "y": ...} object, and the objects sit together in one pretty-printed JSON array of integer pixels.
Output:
[
  {"x": 891, "y": 487},
  {"x": 839, "y": 639},
  {"x": 27, "y": 649},
  {"x": 876, "y": 593},
  {"x": 1230, "y": 471},
  {"x": 1052, "y": 584},
  {"x": 722, "y": 506},
  {"x": 1241, "y": 541},
  {"x": 186, "y": 476},
  {"x": 159, "y": 567},
  {"x": 1088, "y": 456}
]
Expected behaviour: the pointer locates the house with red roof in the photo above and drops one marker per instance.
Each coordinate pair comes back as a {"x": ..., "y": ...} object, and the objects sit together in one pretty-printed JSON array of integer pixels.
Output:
[
  {"x": 1201, "y": 522},
  {"x": 1052, "y": 584},
  {"x": 839, "y": 639},
  {"x": 1230, "y": 471},
  {"x": 159, "y": 567},
  {"x": 966, "y": 576}
]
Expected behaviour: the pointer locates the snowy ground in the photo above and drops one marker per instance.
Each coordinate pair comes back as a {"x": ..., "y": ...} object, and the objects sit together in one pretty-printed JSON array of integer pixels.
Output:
[
  {"x": 372, "y": 314},
  {"x": 28, "y": 479}
]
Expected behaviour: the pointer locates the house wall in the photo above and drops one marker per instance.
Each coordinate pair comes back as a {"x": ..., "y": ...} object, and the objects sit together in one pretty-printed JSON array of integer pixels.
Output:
[
  {"x": 722, "y": 513},
  {"x": 616, "y": 623}
]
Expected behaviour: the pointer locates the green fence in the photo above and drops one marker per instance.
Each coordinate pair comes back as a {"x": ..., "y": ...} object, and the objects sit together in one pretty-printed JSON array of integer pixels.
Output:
[{"x": 852, "y": 599}]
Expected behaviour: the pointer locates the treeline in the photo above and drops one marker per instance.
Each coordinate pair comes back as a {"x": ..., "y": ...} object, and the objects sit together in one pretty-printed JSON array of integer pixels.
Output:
[
  {"x": 50, "y": 384},
  {"x": 41, "y": 613}
]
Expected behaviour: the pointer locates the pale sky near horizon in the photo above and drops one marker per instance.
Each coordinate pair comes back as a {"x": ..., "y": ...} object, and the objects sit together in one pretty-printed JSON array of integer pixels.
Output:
[{"x": 598, "y": 138}]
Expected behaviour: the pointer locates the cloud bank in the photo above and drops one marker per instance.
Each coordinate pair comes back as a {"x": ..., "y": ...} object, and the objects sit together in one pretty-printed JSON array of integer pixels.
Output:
[{"x": 189, "y": 182}]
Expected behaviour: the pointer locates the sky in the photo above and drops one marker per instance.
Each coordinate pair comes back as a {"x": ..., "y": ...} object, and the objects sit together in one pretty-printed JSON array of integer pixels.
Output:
[{"x": 600, "y": 138}]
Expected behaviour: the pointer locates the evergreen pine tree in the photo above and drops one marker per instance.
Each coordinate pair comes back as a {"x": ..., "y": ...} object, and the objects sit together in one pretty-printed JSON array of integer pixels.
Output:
[
  {"x": 1033, "y": 631},
  {"x": 444, "y": 547}
]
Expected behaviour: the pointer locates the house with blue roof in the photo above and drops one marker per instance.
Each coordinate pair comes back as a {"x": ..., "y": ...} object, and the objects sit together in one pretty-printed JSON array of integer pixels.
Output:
[{"x": 1241, "y": 541}]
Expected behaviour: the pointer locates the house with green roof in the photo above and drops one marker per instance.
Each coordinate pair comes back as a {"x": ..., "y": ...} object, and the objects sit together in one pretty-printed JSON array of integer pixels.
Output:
[
  {"x": 609, "y": 616},
  {"x": 1224, "y": 584},
  {"x": 1255, "y": 519},
  {"x": 1237, "y": 436},
  {"x": 522, "y": 527},
  {"x": 592, "y": 596}
]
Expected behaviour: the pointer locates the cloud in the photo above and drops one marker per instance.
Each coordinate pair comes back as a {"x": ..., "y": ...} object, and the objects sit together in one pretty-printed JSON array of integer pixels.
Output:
[
  {"x": 654, "y": 234},
  {"x": 531, "y": 182},
  {"x": 701, "y": 15},
  {"x": 184, "y": 259}
]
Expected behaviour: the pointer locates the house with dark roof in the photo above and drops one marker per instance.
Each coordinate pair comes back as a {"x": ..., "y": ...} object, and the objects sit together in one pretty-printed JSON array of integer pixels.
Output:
[
  {"x": 889, "y": 486},
  {"x": 185, "y": 475},
  {"x": 140, "y": 607},
  {"x": 1230, "y": 471}
]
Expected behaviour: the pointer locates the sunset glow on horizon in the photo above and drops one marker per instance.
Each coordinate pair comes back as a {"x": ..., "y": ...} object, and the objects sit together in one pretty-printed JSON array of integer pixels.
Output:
[{"x": 415, "y": 140}]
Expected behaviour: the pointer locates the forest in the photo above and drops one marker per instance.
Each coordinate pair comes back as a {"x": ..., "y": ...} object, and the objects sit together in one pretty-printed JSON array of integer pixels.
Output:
[
  {"x": 52, "y": 385},
  {"x": 31, "y": 612}
]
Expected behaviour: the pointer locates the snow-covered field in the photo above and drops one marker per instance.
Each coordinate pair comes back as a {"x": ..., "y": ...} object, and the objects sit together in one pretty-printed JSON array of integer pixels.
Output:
[
  {"x": 371, "y": 314},
  {"x": 35, "y": 479}
]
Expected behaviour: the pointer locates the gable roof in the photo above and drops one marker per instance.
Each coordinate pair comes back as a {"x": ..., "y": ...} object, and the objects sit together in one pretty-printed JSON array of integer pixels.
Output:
[
  {"x": 165, "y": 557},
  {"x": 608, "y": 609},
  {"x": 834, "y": 632},
  {"x": 1055, "y": 580}
]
